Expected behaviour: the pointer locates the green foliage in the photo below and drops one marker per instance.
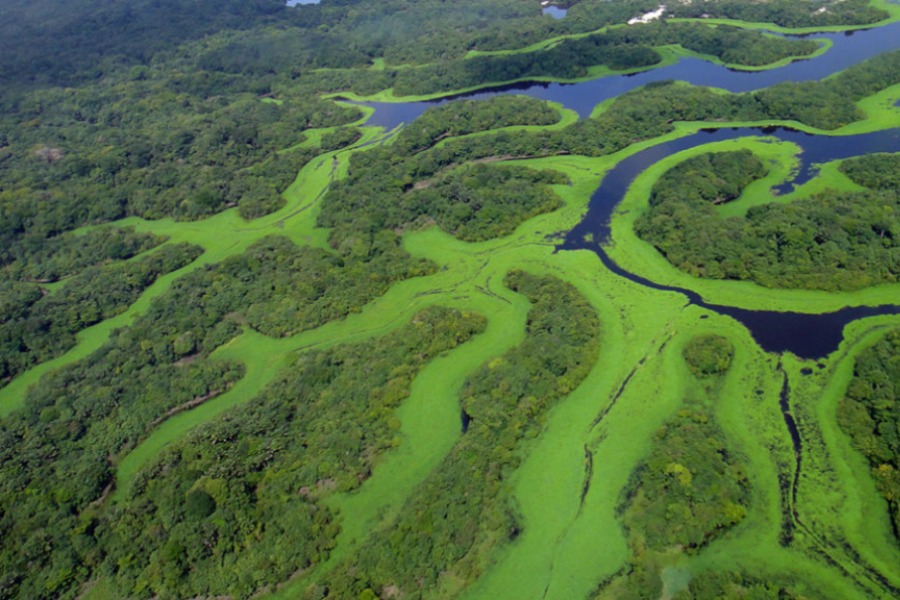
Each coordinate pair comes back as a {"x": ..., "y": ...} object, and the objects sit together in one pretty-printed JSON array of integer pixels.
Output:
[
  {"x": 832, "y": 241},
  {"x": 473, "y": 203},
  {"x": 479, "y": 202},
  {"x": 618, "y": 49},
  {"x": 875, "y": 171},
  {"x": 641, "y": 114},
  {"x": 41, "y": 326},
  {"x": 57, "y": 455},
  {"x": 870, "y": 413},
  {"x": 708, "y": 355},
  {"x": 688, "y": 491},
  {"x": 47, "y": 260},
  {"x": 590, "y": 15},
  {"x": 404, "y": 185},
  {"x": 463, "y": 510},
  {"x": 258, "y": 188},
  {"x": 260, "y": 474},
  {"x": 198, "y": 504},
  {"x": 182, "y": 110},
  {"x": 43, "y": 44},
  {"x": 730, "y": 584},
  {"x": 463, "y": 117},
  {"x": 787, "y": 13}
]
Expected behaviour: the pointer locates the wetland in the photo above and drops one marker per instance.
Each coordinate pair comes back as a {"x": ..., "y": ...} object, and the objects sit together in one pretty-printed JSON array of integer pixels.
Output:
[{"x": 424, "y": 347}]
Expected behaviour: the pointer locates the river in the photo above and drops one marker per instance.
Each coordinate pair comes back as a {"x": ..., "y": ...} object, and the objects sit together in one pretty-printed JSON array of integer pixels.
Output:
[{"x": 806, "y": 335}]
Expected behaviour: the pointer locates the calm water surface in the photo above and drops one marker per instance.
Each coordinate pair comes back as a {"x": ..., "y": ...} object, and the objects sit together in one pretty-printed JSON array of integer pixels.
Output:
[
  {"x": 808, "y": 336},
  {"x": 849, "y": 49}
]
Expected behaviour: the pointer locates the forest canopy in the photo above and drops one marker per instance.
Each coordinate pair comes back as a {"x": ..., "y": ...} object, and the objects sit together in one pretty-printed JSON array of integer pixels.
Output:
[{"x": 190, "y": 399}]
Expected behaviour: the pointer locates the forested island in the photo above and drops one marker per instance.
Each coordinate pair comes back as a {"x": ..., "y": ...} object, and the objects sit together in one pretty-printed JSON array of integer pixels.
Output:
[{"x": 254, "y": 345}]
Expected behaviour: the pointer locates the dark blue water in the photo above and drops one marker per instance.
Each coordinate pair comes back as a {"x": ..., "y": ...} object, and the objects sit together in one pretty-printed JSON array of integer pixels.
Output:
[
  {"x": 849, "y": 49},
  {"x": 806, "y": 335},
  {"x": 814, "y": 149}
]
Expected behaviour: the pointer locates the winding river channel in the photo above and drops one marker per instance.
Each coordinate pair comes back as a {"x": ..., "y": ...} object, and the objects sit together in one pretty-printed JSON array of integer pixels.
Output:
[{"x": 806, "y": 335}]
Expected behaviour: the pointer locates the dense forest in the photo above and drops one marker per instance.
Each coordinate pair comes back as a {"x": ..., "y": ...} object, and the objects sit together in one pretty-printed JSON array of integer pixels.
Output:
[
  {"x": 239, "y": 501},
  {"x": 869, "y": 415},
  {"x": 463, "y": 511},
  {"x": 59, "y": 453},
  {"x": 38, "y": 327},
  {"x": 136, "y": 464},
  {"x": 832, "y": 241},
  {"x": 690, "y": 488}
]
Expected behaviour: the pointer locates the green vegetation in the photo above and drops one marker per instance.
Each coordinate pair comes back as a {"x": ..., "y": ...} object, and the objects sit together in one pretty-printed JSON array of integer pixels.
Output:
[
  {"x": 170, "y": 153},
  {"x": 253, "y": 347},
  {"x": 464, "y": 117},
  {"x": 473, "y": 203},
  {"x": 59, "y": 453},
  {"x": 591, "y": 15},
  {"x": 49, "y": 260},
  {"x": 708, "y": 355},
  {"x": 875, "y": 171},
  {"x": 786, "y": 12},
  {"x": 37, "y": 327},
  {"x": 741, "y": 585},
  {"x": 690, "y": 489},
  {"x": 833, "y": 241},
  {"x": 869, "y": 415},
  {"x": 618, "y": 49},
  {"x": 241, "y": 500},
  {"x": 461, "y": 512}
]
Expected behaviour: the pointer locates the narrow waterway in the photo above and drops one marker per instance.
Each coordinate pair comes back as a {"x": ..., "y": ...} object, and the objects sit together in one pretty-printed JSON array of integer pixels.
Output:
[
  {"x": 806, "y": 335},
  {"x": 847, "y": 49}
]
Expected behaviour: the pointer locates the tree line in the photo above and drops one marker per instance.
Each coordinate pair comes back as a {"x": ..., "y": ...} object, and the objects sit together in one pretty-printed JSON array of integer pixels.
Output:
[{"x": 832, "y": 241}]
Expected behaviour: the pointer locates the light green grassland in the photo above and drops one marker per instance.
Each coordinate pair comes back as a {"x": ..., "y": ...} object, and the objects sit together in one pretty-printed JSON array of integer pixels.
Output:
[
  {"x": 837, "y": 497},
  {"x": 567, "y": 546}
]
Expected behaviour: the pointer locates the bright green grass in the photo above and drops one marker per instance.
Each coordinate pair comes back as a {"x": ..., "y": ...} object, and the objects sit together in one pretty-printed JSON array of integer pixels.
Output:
[
  {"x": 838, "y": 498},
  {"x": 567, "y": 547}
]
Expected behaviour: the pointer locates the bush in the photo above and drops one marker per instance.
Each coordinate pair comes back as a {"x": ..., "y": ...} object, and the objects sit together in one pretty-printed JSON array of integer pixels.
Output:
[{"x": 708, "y": 355}]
